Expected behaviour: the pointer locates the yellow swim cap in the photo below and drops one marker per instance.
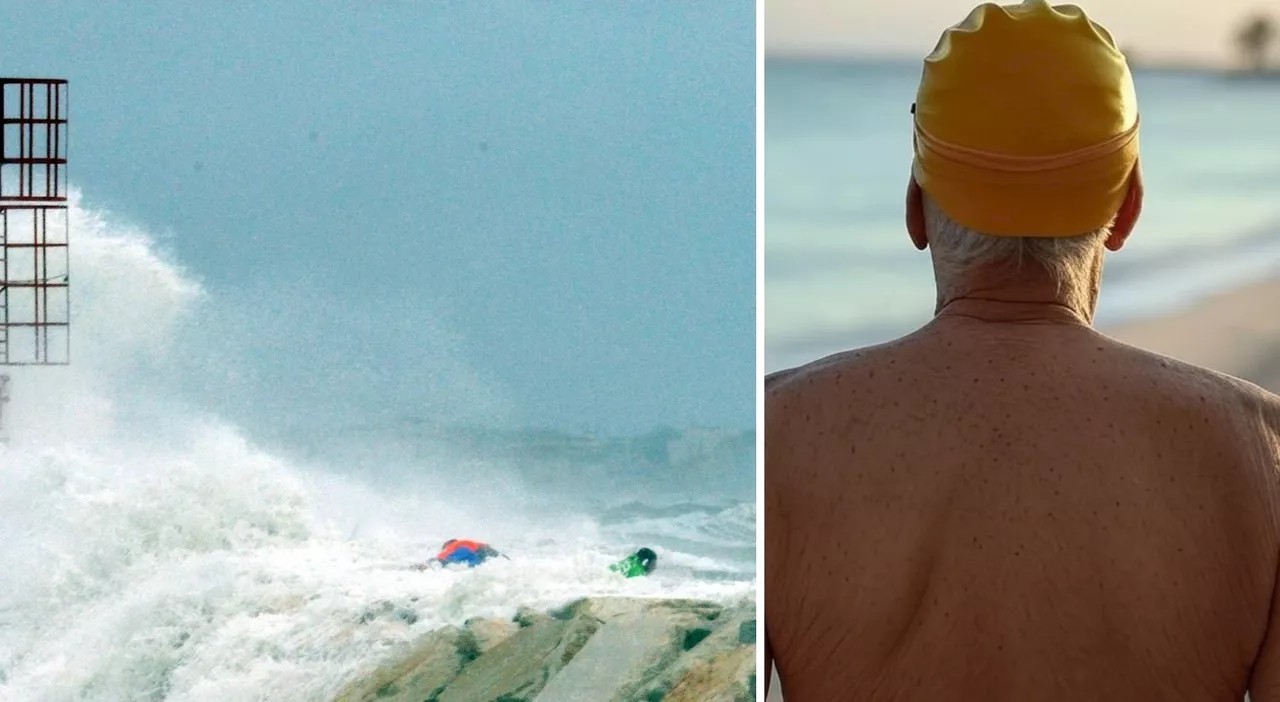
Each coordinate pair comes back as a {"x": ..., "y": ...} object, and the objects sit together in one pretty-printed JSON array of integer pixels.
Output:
[{"x": 1026, "y": 122}]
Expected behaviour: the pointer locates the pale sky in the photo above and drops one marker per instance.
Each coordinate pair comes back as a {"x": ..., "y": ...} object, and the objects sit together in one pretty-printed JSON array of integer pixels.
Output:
[
  {"x": 556, "y": 205},
  {"x": 1193, "y": 30}
]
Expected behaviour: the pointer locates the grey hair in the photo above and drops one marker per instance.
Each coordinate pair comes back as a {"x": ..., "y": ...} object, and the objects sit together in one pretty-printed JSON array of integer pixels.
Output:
[{"x": 957, "y": 248}]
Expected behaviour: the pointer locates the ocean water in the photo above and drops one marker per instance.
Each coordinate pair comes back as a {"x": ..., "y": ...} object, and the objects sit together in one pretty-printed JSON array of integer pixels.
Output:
[
  {"x": 840, "y": 272},
  {"x": 152, "y": 549}
]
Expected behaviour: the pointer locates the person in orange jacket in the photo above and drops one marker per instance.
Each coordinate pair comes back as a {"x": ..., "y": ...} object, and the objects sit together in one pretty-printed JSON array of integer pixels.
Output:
[{"x": 462, "y": 552}]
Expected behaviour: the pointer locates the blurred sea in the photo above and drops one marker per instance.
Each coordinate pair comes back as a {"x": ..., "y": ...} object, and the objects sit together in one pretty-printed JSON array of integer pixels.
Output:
[{"x": 840, "y": 272}]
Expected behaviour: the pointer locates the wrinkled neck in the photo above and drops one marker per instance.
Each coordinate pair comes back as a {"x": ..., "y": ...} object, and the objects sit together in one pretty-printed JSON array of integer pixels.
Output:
[
  {"x": 1029, "y": 295},
  {"x": 998, "y": 311}
]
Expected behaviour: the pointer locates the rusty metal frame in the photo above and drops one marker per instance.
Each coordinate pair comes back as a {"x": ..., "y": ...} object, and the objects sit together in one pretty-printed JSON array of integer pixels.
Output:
[{"x": 39, "y": 162}]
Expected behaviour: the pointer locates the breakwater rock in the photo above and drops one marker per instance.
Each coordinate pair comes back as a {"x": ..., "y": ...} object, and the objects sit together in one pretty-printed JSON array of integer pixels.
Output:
[{"x": 592, "y": 650}]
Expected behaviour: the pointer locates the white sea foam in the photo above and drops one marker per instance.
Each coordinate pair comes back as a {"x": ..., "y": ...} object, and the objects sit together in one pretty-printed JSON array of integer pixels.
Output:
[
  {"x": 149, "y": 551},
  {"x": 137, "y": 573}
]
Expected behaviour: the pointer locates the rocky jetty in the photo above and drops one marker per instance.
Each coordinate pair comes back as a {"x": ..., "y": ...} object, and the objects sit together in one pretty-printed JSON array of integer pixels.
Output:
[{"x": 592, "y": 650}]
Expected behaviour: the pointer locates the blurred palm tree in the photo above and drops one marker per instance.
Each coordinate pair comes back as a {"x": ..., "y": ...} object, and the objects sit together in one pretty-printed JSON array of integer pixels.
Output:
[{"x": 1254, "y": 41}]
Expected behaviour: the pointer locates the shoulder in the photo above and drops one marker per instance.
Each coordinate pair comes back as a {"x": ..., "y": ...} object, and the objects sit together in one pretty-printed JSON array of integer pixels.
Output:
[
  {"x": 1190, "y": 379},
  {"x": 788, "y": 388},
  {"x": 1250, "y": 413},
  {"x": 1267, "y": 407},
  {"x": 794, "y": 398}
]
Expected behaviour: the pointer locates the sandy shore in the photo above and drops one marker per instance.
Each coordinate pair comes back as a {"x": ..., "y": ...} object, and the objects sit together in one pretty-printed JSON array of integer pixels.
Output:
[{"x": 1237, "y": 332}]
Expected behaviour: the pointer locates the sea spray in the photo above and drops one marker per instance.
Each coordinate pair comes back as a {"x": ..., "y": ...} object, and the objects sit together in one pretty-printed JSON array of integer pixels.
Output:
[
  {"x": 151, "y": 550},
  {"x": 175, "y": 572}
]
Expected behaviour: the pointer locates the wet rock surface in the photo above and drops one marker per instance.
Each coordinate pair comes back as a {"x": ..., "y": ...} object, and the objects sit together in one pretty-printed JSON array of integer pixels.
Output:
[{"x": 591, "y": 650}]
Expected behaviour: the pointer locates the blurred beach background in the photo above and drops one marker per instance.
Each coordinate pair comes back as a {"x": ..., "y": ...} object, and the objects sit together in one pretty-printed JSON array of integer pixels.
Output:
[
  {"x": 839, "y": 269},
  {"x": 1198, "y": 280}
]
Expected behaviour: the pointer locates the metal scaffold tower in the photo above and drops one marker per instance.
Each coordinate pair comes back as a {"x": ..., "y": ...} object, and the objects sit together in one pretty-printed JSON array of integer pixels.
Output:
[{"x": 35, "y": 306}]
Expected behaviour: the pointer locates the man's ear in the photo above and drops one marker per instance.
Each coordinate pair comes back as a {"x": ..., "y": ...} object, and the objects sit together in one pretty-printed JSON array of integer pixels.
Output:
[
  {"x": 915, "y": 215},
  {"x": 1129, "y": 212}
]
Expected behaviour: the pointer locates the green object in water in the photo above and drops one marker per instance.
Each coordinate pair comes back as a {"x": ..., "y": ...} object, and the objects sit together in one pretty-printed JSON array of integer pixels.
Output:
[{"x": 641, "y": 562}]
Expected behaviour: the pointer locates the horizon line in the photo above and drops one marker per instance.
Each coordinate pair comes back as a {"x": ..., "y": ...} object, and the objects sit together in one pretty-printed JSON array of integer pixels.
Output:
[{"x": 827, "y": 55}]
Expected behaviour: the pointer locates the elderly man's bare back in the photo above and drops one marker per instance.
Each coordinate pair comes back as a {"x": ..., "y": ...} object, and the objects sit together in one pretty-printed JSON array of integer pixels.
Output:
[{"x": 1016, "y": 511}]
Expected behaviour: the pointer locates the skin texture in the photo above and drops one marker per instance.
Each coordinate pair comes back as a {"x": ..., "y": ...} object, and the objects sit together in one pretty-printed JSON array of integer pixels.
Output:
[{"x": 1009, "y": 505}]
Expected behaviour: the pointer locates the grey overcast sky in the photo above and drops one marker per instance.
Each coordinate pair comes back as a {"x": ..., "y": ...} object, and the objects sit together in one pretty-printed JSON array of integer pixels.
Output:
[{"x": 566, "y": 188}]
